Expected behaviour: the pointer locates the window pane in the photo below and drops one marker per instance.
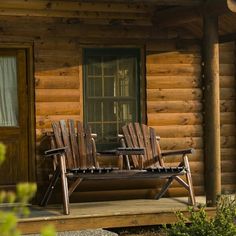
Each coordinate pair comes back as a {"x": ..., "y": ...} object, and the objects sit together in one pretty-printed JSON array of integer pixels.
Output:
[
  {"x": 8, "y": 91},
  {"x": 126, "y": 74},
  {"x": 94, "y": 86},
  {"x": 110, "y": 86},
  {"x": 126, "y": 112},
  {"x": 109, "y": 65},
  {"x": 94, "y": 66},
  {"x": 110, "y": 111},
  {"x": 94, "y": 110},
  {"x": 113, "y": 79}
]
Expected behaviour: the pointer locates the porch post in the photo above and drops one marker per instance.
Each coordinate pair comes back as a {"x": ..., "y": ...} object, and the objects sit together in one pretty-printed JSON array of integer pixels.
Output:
[{"x": 212, "y": 109}]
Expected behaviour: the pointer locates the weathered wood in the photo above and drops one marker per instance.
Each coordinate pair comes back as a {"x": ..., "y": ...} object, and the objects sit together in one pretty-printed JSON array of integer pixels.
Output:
[
  {"x": 212, "y": 109},
  {"x": 178, "y": 81},
  {"x": 57, "y": 108},
  {"x": 175, "y": 69},
  {"x": 174, "y": 94},
  {"x": 179, "y": 130},
  {"x": 175, "y": 118},
  {"x": 57, "y": 95},
  {"x": 56, "y": 82},
  {"x": 174, "y": 106}
]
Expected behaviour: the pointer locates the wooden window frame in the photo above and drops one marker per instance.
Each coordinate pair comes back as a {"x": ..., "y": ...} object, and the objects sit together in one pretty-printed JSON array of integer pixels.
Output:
[{"x": 138, "y": 52}]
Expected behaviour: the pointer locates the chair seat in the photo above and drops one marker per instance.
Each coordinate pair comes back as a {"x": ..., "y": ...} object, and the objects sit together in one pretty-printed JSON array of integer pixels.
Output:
[
  {"x": 171, "y": 170},
  {"x": 91, "y": 170}
]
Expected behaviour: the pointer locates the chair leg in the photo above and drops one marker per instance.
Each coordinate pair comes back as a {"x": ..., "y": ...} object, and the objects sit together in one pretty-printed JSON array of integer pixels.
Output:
[
  {"x": 64, "y": 182},
  {"x": 189, "y": 181},
  {"x": 51, "y": 187},
  {"x": 164, "y": 188}
]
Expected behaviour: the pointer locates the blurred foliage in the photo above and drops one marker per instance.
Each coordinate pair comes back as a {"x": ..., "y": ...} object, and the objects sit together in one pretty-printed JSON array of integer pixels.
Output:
[
  {"x": 17, "y": 202},
  {"x": 222, "y": 224}
]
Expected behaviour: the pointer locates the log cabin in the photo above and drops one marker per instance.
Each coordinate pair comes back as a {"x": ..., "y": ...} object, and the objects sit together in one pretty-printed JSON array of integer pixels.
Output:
[{"x": 178, "y": 56}]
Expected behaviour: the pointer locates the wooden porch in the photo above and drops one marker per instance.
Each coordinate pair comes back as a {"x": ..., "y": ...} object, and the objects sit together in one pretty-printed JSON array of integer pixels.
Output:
[{"x": 107, "y": 214}]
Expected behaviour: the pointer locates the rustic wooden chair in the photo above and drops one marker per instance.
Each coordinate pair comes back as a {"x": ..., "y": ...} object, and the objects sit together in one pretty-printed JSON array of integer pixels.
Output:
[
  {"x": 75, "y": 158},
  {"x": 140, "y": 135}
]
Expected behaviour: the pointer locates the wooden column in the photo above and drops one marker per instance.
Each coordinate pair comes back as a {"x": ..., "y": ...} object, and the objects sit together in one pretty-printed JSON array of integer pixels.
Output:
[{"x": 212, "y": 109}]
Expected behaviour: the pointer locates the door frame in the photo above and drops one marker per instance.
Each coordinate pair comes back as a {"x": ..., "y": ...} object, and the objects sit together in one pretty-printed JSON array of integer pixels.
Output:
[{"x": 28, "y": 47}]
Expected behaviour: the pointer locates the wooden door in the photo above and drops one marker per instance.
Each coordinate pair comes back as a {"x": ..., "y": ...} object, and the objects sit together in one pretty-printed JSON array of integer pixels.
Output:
[{"x": 14, "y": 104}]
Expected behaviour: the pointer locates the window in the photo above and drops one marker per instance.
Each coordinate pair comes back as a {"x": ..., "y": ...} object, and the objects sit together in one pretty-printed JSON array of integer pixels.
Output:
[
  {"x": 8, "y": 91},
  {"x": 112, "y": 92}
]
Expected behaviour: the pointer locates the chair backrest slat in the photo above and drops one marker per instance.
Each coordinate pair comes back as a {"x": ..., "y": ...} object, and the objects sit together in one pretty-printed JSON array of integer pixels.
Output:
[
  {"x": 81, "y": 141},
  {"x": 142, "y": 136},
  {"x": 80, "y": 151},
  {"x": 130, "y": 144},
  {"x": 74, "y": 143},
  {"x": 66, "y": 141},
  {"x": 147, "y": 142},
  {"x": 140, "y": 139},
  {"x": 89, "y": 147}
]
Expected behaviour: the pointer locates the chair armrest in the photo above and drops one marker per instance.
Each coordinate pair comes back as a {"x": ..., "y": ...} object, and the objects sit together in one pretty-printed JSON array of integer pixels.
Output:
[
  {"x": 56, "y": 151},
  {"x": 178, "y": 152}
]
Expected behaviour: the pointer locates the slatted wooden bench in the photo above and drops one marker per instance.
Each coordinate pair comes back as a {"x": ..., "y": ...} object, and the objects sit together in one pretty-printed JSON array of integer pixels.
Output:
[{"x": 74, "y": 155}]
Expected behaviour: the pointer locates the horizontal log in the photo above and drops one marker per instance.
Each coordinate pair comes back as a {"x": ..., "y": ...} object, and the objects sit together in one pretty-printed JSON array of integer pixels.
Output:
[
  {"x": 73, "y": 14},
  {"x": 55, "y": 70},
  {"x": 83, "y": 32},
  {"x": 57, "y": 95},
  {"x": 174, "y": 69},
  {"x": 173, "y": 58},
  {"x": 176, "y": 131},
  {"x": 174, "y": 119},
  {"x": 53, "y": 43},
  {"x": 57, "y": 82},
  {"x": 74, "y": 6},
  {"x": 170, "y": 45},
  {"x": 228, "y": 178},
  {"x": 228, "y": 188},
  {"x": 227, "y": 118},
  {"x": 228, "y": 142},
  {"x": 227, "y": 105},
  {"x": 228, "y": 166},
  {"x": 174, "y": 106},
  {"x": 227, "y": 57},
  {"x": 227, "y": 129},
  {"x": 181, "y": 143},
  {"x": 58, "y": 108},
  {"x": 173, "y": 94},
  {"x": 227, "y": 93},
  {"x": 197, "y": 156},
  {"x": 227, "y": 69},
  {"x": 44, "y": 122},
  {"x": 59, "y": 58},
  {"x": 227, "y": 81},
  {"x": 155, "y": 82},
  {"x": 228, "y": 153},
  {"x": 226, "y": 47}
]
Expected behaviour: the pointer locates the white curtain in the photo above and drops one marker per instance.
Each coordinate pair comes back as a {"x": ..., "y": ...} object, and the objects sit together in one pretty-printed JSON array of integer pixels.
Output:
[{"x": 8, "y": 91}]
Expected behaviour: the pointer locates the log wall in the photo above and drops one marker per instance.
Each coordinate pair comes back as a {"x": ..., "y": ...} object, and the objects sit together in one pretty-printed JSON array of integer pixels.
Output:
[
  {"x": 174, "y": 102},
  {"x": 228, "y": 116},
  {"x": 173, "y": 82}
]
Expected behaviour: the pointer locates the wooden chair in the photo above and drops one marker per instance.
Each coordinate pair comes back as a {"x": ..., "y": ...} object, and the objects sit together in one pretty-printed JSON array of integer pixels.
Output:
[
  {"x": 74, "y": 156},
  {"x": 140, "y": 135}
]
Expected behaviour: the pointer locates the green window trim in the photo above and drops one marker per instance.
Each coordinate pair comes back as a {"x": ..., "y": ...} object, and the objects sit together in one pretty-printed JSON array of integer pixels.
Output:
[{"x": 111, "y": 91}]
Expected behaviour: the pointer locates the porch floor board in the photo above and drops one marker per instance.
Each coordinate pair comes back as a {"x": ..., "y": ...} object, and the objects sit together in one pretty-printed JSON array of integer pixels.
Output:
[{"x": 107, "y": 214}]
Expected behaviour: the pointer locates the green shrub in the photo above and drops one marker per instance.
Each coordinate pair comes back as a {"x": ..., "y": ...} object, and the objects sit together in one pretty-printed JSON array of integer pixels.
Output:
[
  {"x": 222, "y": 224},
  {"x": 24, "y": 193}
]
